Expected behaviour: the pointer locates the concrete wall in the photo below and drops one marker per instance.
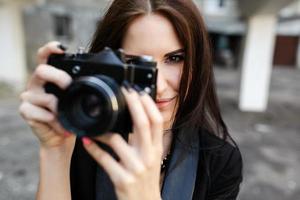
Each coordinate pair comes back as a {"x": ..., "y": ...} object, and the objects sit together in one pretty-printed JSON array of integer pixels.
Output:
[
  {"x": 40, "y": 24},
  {"x": 25, "y": 25},
  {"x": 12, "y": 51},
  {"x": 291, "y": 10},
  {"x": 213, "y": 8}
]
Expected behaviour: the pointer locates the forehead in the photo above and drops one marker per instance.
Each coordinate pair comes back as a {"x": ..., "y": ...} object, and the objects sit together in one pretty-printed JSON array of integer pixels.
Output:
[{"x": 150, "y": 34}]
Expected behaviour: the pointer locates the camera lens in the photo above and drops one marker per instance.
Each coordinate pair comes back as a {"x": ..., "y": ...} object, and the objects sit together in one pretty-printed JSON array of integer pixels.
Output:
[
  {"x": 91, "y": 105},
  {"x": 87, "y": 107}
]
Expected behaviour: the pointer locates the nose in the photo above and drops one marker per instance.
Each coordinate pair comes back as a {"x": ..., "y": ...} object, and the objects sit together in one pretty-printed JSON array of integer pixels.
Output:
[{"x": 161, "y": 83}]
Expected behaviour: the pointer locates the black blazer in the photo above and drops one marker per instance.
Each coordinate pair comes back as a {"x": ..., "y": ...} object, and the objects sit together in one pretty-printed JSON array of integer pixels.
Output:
[
  {"x": 202, "y": 167},
  {"x": 220, "y": 170}
]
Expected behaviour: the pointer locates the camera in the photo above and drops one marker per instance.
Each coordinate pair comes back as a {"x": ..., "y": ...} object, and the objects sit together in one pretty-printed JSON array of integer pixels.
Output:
[{"x": 93, "y": 104}]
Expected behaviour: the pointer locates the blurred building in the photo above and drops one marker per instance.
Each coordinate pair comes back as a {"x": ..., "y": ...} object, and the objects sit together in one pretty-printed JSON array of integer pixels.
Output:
[
  {"x": 227, "y": 25},
  {"x": 25, "y": 25},
  {"x": 71, "y": 22},
  {"x": 253, "y": 36},
  {"x": 12, "y": 40},
  {"x": 287, "y": 49}
]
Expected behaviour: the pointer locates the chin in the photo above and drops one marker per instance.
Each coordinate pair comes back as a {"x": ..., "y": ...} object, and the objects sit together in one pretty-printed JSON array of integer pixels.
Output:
[{"x": 168, "y": 119}]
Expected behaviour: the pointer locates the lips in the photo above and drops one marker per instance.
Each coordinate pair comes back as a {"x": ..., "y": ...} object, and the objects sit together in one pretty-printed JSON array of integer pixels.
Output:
[{"x": 163, "y": 102}]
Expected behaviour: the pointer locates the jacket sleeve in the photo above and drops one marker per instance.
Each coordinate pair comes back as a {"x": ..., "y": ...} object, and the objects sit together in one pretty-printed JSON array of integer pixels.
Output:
[{"x": 227, "y": 175}]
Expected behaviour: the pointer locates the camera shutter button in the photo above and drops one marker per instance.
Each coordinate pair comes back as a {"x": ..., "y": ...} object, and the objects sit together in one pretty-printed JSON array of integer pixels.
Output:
[{"x": 76, "y": 69}]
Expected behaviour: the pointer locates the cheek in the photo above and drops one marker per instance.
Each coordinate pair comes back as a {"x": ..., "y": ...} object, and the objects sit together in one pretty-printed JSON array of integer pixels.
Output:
[{"x": 174, "y": 78}]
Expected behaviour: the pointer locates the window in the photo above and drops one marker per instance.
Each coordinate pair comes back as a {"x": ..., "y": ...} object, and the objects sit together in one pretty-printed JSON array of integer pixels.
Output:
[{"x": 62, "y": 26}]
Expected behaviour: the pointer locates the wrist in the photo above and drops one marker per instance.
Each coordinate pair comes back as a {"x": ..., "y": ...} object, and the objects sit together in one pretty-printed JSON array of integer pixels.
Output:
[
  {"x": 54, "y": 173},
  {"x": 54, "y": 162},
  {"x": 59, "y": 156},
  {"x": 53, "y": 152},
  {"x": 64, "y": 150},
  {"x": 54, "y": 157}
]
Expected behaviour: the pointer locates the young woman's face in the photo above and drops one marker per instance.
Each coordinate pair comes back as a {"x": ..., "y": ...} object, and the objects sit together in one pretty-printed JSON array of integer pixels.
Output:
[{"x": 154, "y": 35}]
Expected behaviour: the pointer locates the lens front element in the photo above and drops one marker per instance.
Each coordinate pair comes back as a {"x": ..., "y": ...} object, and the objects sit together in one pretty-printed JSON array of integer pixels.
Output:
[{"x": 91, "y": 106}]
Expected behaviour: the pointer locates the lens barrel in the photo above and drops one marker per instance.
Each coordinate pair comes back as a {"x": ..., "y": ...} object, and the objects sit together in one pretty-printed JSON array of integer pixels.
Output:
[{"x": 91, "y": 105}]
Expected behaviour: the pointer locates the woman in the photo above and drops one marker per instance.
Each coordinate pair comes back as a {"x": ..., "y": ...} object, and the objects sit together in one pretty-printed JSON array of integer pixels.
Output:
[{"x": 182, "y": 129}]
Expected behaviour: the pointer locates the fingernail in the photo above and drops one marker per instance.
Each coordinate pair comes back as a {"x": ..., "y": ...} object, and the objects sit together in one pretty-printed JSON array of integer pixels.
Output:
[
  {"x": 67, "y": 134},
  {"x": 62, "y": 47},
  {"x": 86, "y": 141},
  {"x": 139, "y": 90},
  {"x": 127, "y": 85}
]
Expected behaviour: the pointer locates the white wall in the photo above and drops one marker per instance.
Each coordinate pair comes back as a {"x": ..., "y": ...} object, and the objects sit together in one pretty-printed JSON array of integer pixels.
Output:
[{"x": 12, "y": 51}]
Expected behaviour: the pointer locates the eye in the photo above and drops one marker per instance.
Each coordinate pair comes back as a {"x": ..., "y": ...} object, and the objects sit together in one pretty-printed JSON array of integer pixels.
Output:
[{"x": 175, "y": 59}]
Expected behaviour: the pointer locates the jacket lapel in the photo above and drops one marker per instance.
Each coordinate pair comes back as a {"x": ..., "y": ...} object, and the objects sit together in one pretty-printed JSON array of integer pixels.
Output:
[{"x": 181, "y": 174}]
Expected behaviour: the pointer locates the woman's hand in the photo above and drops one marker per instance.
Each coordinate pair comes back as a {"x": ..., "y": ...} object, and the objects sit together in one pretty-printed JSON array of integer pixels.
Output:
[
  {"x": 136, "y": 176},
  {"x": 39, "y": 108}
]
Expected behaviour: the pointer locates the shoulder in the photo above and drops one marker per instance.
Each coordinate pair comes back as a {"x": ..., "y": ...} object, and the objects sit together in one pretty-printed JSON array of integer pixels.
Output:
[
  {"x": 222, "y": 161},
  {"x": 223, "y": 152}
]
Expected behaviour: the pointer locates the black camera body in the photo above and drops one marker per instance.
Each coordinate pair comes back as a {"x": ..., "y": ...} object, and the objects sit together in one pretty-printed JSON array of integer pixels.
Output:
[{"x": 93, "y": 104}]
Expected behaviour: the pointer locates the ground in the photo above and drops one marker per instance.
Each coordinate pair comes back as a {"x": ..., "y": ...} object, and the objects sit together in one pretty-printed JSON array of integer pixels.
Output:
[{"x": 269, "y": 142}]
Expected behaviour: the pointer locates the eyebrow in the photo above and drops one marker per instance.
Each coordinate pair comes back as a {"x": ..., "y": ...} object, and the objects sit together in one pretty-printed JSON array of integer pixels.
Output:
[
  {"x": 175, "y": 52},
  {"x": 166, "y": 55}
]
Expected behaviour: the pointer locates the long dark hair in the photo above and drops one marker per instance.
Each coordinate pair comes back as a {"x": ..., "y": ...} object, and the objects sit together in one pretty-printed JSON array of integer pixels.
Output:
[{"x": 197, "y": 104}]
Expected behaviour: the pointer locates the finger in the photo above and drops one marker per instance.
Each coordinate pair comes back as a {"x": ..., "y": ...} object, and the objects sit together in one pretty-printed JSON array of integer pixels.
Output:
[
  {"x": 55, "y": 124},
  {"x": 141, "y": 124},
  {"x": 34, "y": 113},
  {"x": 115, "y": 171},
  {"x": 42, "y": 130},
  {"x": 155, "y": 118},
  {"x": 54, "y": 128},
  {"x": 129, "y": 158},
  {"x": 50, "y": 48},
  {"x": 45, "y": 100},
  {"x": 47, "y": 135},
  {"x": 46, "y": 73}
]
